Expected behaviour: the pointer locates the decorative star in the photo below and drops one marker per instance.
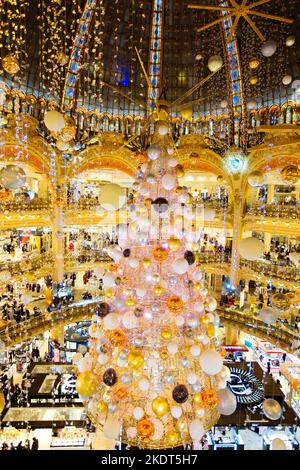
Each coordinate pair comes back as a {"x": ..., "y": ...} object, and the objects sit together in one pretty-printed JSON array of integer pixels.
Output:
[{"x": 237, "y": 11}]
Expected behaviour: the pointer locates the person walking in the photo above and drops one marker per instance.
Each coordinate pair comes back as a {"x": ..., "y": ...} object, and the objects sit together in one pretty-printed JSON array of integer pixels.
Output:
[{"x": 35, "y": 444}]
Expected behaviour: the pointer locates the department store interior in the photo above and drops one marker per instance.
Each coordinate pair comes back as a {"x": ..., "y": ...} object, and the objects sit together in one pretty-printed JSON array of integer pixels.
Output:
[{"x": 149, "y": 225}]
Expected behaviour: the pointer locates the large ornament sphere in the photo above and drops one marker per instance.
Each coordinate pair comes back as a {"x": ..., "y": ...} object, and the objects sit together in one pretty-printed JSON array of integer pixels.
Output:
[
  {"x": 145, "y": 428},
  {"x": 54, "y": 121},
  {"x": 11, "y": 64},
  {"x": 251, "y": 248},
  {"x": 227, "y": 402},
  {"x": 110, "y": 377},
  {"x": 256, "y": 179},
  {"x": 180, "y": 394},
  {"x": 290, "y": 174},
  {"x": 86, "y": 384},
  {"x": 215, "y": 62},
  {"x": 102, "y": 309},
  {"x": 135, "y": 359},
  {"x": 268, "y": 48},
  {"x": 160, "y": 406},
  {"x": 12, "y": 177},
  {"x": 272, "y": 409}
]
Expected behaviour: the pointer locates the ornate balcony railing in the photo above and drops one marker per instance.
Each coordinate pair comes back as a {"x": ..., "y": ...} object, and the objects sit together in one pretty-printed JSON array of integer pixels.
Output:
[
  {"x": 36, "y": 204},
  {"x": 27, "y": 264},
  {"x": 271, "y": 269},
  {"x": 279, "y": 211},
  {"x": 216, "y": 258},
  {"x": 278, "y": 334}
]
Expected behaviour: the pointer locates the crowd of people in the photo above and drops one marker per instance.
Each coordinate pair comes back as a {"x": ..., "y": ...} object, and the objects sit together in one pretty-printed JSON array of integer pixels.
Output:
[{"x": 27, "y": 445}]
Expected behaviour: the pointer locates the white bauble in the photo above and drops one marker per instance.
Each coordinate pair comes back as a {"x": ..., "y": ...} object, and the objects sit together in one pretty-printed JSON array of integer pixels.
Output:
[
  {"x": 144, "y": 384},
  {"x": 168, "y": 181},
  {"x": 141, "y": 291},
  {"x": 268, "y": 48},
  {"x": 54, "y": 121},
  {"x": 268, "y": 315},
  {"x": 215, "y": 62},
  {"x": 172, "y": 162},
  {"x": 195, "y": 351},
  {"x": 227, "y": 402},
  {"x": 287, "y": 80},
  {"x": 154, "y": 152},
  {"x": 172, "y": 348},
  {"x": 111, "y": 428},
  {"x": 180, "y": 266},
  {"x": 251, "y": 248},
  {"x": 76, "y": 358},
  {"x": 196, "y": 429},
  {"x": 102, "y": 359},
  {"x": 111, "y": 321},
  {"x": 176, "y": 411},
  {"x": 133, "y": 263},
  {"x": 109, "y": 280},
  {"x": 138, "y": 413},
  {"x": 211, "y": 304},
  {"x": 179, "y": 320},
  {"x": 99, "y": 271},
  {"x": 192, "y": 378},
  {"x": 162, "y": 128},
  {"x": 130, "y": 321},
  {"x": 211, "y": 362}
]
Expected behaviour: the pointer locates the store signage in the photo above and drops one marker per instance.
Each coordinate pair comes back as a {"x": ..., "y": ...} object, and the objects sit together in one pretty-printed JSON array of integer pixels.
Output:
[{"x": 247, "y": 388}]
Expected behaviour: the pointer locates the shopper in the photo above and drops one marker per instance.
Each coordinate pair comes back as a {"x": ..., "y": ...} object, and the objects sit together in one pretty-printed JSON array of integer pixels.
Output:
[{"x": 35, "y": 444}]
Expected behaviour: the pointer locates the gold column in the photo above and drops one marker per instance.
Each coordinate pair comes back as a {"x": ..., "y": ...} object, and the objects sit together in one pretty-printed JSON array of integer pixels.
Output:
[
  {"x": 267, "y": 241},
  {"x": 58, "y": 237},
  {"x": 271, "y": 193},
  {"x": 58, "y": 334},
  {"x": 238, "y": 205},
  {"x": 231, "y": 336}
]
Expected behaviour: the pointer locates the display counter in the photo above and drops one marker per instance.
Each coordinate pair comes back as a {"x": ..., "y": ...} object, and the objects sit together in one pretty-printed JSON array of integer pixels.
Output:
[
  {"x": 284, "y": 434},
  {"x": 225, "y": 438},
  {"x": 69, "y": 437}
]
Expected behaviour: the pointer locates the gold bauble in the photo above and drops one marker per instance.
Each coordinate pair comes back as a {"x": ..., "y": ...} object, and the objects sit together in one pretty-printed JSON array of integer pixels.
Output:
[
  {"x": 62, "y": 58},
  {"x": 174, "y": 244},
  {"x": 164, "y": 353},
  {"x": 166, "y": 333},
  {"x": 172, "y": 438},
  {"x": 135, "y": 359},
  {"x": 109, "y": 292},
  {"x": 290, "y": 173},
  {"x": 117, "y": 337},
  {"x": 211, "y": 330},
  {"x": 130, "y": 302},
  {"x": 145, "y": 428},
  {"x": 198, "y": 398},
  {"x": 146, "y": 262},
  {"x": 160, "y": 253},
  {"x": 160, "y": 406},
  {"x": 254, "y": 64},
  {"x": 158, "y": 290},
  {"x": 253, "y": 80},
  {"x": 148, "y": 202},
  {"x": 205, "y": 320},
  {"x": 181, "y": 425},
  {"x": 174, "y": 303},
  {"x": 68, "y": 132},
  {"x": 10, "y": 64},
  {"x": 101, "y": 407},
  {"x": 86, "y": 384},
  {"x": 209, "y": 398},
  {"x": 197, "y": 286},
  {"x": 186, "y": 113},
  {"x": 121, "y": 394},
  {"x": 179, "y": 170}
]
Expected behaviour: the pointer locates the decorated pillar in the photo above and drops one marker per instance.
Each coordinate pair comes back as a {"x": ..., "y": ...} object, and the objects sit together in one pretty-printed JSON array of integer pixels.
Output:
[
  {"x": 238, "y": 205},
  {"x": 57, "y": 334},
  {"x": 58, "y": 236},
  {"x": 267, "y": 242},
  {"x": 231, "y": 335},
  {"x": 271, "y": 193}
]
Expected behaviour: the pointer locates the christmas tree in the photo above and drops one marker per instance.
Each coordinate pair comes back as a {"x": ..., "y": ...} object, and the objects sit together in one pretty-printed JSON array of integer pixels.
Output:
[{"x": 153, "y": 377}]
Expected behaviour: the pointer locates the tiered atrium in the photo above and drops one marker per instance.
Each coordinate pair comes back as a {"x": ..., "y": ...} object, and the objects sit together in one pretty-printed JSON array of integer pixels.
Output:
[{"x": 149, "y": 225}]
